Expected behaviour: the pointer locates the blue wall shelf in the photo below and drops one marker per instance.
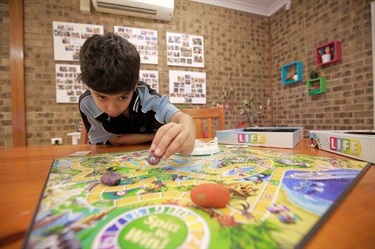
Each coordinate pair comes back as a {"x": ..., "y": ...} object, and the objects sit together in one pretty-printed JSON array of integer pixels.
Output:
[{"x": 292, "y": 73}]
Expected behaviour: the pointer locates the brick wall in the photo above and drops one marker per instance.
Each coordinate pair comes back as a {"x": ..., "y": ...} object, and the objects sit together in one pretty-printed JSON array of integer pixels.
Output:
[
  {"x": 348, "y": 102},
  {"x": 5, "y": 100},
  {"x": 237, "y": 60}
]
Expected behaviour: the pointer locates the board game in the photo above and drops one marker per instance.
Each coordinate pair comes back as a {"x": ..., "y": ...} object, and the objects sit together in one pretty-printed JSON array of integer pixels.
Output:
[
  {"x": 358, "y": 144},
  {"x": 277, "y": 200},
  {"x": 278, "y": 137}
]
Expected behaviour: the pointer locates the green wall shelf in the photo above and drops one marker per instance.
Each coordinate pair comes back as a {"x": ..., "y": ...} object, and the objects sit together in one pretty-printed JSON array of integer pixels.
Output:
[
  {"x": 291, "y": 73},
  {"x": 316, "y": 86}
]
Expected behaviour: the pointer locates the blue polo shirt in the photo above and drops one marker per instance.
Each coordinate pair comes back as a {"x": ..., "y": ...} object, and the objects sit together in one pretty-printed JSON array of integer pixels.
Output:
[{"x": 148, "y": 111}]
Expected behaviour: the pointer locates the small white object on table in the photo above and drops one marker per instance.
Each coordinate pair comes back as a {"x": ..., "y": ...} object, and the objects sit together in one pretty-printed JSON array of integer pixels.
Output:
[
  {"x": 206, "y": 148},
  {"x": 75, "y": 136}
]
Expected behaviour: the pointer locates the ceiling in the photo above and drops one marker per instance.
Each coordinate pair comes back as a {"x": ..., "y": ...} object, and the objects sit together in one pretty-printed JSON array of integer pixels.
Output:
[{"x": 259, "y": 7}]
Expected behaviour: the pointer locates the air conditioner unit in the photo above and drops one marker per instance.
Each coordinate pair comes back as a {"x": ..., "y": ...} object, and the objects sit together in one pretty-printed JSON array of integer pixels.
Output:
[{"x": 152, "y": 9}]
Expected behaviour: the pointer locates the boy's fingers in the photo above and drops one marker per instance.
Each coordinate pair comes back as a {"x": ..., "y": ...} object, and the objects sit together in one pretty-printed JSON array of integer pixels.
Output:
[
  {"x": 174, "y": 146},
  {"x": 168, "y": 139},
  {"x": 162, "y": 139},
  {"x": 158, "y": 136},
  {"x": 171, "y": 139}
]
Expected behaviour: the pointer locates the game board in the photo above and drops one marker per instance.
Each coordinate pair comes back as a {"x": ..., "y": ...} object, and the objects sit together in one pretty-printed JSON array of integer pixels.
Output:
[{"x": 277, "y": 200}]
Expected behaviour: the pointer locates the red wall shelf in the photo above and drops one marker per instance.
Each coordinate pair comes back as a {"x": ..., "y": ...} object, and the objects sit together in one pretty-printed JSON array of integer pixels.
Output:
[{"x": 331, "y": 49}]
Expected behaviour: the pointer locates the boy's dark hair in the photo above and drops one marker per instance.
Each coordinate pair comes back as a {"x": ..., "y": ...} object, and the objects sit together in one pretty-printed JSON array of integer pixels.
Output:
[{"x": 109, "y": 64}]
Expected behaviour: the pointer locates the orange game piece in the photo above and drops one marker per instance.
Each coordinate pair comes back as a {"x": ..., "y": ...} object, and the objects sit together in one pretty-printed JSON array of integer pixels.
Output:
[{"x": 210, "y": 195}]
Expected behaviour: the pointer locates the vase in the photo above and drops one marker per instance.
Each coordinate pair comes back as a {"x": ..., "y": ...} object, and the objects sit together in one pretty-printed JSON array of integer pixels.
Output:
[{"x": 326, "y": 58}]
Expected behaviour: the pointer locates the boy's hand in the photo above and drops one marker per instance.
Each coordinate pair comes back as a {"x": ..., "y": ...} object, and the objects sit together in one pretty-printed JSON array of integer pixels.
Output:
[{"x": 175, "y": 137}]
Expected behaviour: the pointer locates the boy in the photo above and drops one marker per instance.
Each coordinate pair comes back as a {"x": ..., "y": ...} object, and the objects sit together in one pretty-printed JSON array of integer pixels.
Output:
[{"x": 117, "y": 109}]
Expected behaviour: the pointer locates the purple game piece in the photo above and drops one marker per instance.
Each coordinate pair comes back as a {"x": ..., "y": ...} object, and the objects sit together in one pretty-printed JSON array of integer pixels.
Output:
[
  {"x": 153, "y": 159},
  {"x": 110, "y": 178}
]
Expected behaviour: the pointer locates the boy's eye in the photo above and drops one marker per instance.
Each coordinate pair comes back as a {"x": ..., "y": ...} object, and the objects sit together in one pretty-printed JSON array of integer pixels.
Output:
[
  {"x": 123, "y": 97},
  {"x": 101, "y": 97}
]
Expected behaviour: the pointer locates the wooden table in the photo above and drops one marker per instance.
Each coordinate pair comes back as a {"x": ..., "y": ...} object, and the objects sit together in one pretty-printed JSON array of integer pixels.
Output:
[{"x": 24, "y": 170}]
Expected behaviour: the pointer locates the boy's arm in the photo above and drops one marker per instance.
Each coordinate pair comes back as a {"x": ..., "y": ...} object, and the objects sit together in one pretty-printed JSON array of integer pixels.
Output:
[
  {"x": 178, "y": 136},
  {"x": 131, "y": 139}
]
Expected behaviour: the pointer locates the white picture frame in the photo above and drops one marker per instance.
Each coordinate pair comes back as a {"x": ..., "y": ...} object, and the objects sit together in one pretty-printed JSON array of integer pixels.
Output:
[
  {"x": 185, "y": 50},
  {"x": 150, "y": 77},
  {"x": 146, "y": 41},
  {"x": 187, "y": 87},
  {"x": 69, "y": 37},
  {"x": 68, "y": 87}
]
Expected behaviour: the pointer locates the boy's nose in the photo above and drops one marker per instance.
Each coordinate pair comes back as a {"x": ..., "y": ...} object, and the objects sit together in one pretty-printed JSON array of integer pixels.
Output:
[{"x": 112, "y": 109}]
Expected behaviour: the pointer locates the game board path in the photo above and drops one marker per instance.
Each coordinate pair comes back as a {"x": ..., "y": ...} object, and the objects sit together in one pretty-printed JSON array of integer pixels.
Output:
[
  {"x": 215, "y": 175},
  {"x": 268, "y": 195},
  {"x": 259, "y": 208},
  {"x": 75, "y": 164}
]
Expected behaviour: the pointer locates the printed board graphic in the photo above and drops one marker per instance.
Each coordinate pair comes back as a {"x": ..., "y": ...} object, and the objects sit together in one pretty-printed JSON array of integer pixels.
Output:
[{"x": 277, "y": 200}]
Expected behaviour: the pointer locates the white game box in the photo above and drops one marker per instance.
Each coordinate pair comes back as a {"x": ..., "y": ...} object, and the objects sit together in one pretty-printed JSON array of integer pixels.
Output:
[
  {"x": 358, "y": 144},
  {"x": 281, "y": 137}
]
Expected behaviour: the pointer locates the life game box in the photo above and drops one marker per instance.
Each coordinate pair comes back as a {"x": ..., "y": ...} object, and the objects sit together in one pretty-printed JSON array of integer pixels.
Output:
[
  {"x": 282, "y": 137},
  {"x": 359, "y": 144}
]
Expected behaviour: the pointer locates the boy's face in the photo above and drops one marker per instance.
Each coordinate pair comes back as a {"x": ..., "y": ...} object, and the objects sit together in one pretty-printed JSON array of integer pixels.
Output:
[{"x": 112, "y": 104}]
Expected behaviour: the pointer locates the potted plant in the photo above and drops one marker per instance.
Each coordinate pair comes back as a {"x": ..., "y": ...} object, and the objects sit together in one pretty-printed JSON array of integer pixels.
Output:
[
  {"x": 248, "y": 108},
  {"x": 313, "y": 73}
]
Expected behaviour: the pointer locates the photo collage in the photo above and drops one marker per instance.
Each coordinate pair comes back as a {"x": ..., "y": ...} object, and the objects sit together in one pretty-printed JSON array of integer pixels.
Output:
[
  {"x": 150, "y": 77},
  {"x": 185, "y": 50},
  {"x": 145, "y": 40},
  {"x": 187, "y": 87},
  {"x": 69, "y": 37},
  {"x": 182, "y": 50},
  {"x": 68, "y": 87}
]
